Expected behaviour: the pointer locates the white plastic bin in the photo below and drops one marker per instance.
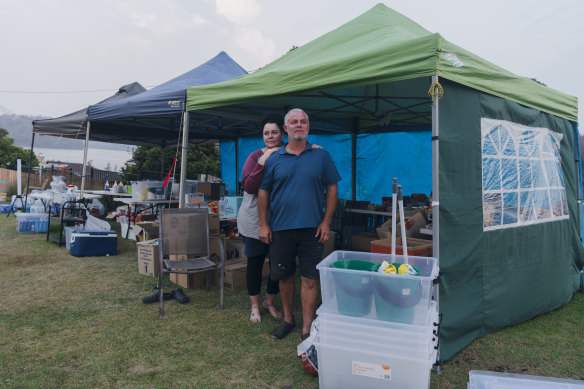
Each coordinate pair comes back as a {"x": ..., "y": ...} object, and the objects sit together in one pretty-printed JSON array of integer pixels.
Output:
[
  {"x": 364, "y": 367},
  {"x": 493, "y": 380},
  {"x": 388, "y": 297},
  {"x": 401, "y": 336}
]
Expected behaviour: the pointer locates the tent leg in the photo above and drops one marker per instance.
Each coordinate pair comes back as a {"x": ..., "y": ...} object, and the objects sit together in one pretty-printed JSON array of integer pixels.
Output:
[
  {"x": 183, "y": 160},
  {"x": 577, "y": 152},
  {"x": 436, "y": 195},
  {"x": 29, "y": 169},
  {"x": 85, "y": 159},
  {"x": 354, "y": 159},
  {"x": 237, "y": 164}
]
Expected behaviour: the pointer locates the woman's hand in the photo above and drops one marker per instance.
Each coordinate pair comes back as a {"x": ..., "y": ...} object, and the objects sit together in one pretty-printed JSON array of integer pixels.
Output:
[
  {"x": 316, "y": 147},
  {"x": 267, "y": 153}
]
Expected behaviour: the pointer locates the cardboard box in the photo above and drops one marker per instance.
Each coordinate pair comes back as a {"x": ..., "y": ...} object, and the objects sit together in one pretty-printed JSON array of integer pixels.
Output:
[
  {"x": 362, "y": 241},
  {"x": 231, "y": 205},
  {"x": 146, "y": 218},
  {"x": 194, "y": 281},
  {"x": 415, "y": 220},
  {"x": 416, "y": 247},
  {"x": 148, "y": 258},
  {"x": 211, "y": 190},
  {"x": 329, "y": 245},
  {"x": 235, "y": 274},
  {"x": 145, "y": 231},
  {"x": 214, "y": 223}
]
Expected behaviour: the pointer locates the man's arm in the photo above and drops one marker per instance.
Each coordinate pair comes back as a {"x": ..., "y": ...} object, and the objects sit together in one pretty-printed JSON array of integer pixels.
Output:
[
  {"x": 265, "y": 234},
  {"x": 324, "y": 228}
]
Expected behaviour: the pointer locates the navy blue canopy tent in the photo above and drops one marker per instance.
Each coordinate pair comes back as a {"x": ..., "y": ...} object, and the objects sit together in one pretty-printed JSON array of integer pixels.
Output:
[{"x": 154, "y": 117}]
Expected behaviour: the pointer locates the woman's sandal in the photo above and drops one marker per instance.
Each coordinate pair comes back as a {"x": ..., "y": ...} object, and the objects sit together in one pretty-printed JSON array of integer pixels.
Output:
[{"x": 283, "y": 329}]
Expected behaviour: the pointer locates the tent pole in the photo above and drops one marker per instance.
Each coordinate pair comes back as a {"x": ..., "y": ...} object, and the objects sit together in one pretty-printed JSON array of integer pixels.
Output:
[
  {"x": 183, "y": 160},
  {"x": 29, "y": 169},
  {"x": 436, "y": 198},
  {"x": 579, "y": 173},
  {"x": 236, "y": 163},
  {"x": 162, "y": 147},
  {"x": 85, "y": 159},
  {"x": 354, "y": 158}
]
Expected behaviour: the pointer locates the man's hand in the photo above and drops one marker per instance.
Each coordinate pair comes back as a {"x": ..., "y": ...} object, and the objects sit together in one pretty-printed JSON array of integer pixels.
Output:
[
  {"x": 265, "y": 234},
  {"x": 324, "y": 230}
]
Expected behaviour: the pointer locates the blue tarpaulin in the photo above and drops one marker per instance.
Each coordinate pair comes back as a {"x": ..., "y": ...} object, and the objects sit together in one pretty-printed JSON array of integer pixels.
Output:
[{"x": 379, "y": 158}]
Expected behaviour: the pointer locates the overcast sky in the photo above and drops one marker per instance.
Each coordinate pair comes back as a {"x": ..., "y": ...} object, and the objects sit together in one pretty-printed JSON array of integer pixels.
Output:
[{"x": 58, "y": 56}]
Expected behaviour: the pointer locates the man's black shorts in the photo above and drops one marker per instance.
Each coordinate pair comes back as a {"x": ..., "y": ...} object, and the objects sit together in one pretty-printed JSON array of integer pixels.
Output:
[{"x": 288, "y": 244}]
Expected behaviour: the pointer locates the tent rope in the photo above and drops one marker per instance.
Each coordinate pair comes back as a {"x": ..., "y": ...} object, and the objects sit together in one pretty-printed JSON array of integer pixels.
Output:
[{"x": 432, "y": 91}]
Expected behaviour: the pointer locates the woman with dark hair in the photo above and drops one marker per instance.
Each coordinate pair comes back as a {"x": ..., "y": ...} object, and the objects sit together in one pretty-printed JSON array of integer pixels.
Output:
[{"x": 272, "y": 127}]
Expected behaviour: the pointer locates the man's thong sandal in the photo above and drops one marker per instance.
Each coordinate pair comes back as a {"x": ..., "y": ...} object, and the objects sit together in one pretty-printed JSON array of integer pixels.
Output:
[{"x": 283, "y": 329}]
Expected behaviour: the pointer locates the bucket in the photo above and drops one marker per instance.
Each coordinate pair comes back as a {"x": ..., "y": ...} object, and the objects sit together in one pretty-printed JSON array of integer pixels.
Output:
[
  {"x": 396, "y": 297},
  {"x": 353, "y": 290}
]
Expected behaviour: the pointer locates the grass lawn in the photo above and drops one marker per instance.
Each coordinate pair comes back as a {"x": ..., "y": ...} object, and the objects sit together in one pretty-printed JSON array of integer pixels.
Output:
[{"x": 79, "y": 322}]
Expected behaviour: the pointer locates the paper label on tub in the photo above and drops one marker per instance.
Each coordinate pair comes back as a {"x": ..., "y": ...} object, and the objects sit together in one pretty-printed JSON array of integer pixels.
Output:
[{"x": 372, "y": 370}]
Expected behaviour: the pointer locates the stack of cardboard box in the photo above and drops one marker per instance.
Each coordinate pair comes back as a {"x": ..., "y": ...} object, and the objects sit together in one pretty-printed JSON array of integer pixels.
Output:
[{"x": 380, "y": 241}]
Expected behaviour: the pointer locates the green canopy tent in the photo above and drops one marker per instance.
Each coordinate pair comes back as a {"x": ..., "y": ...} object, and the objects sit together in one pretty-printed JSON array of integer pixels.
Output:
[{"x": 505, "y": 179}]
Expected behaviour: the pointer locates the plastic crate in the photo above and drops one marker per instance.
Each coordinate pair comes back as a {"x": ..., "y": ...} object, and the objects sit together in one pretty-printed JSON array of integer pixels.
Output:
[
  {"x": 32, "y": 222},
  {"x": 388, "y": 297},
  {"x": 370, "y": 367},
  {"x": 411, "y": 339},
  {"x": 493, "y": 380}
]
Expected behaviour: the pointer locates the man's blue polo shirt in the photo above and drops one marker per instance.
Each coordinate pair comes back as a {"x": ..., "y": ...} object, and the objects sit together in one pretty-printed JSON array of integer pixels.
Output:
[{"x": 297, "y": 185}]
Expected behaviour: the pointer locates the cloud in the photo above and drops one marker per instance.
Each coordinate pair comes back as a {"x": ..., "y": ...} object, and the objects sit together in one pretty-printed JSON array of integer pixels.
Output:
[
  {"x": 252, "y": 41},
  {"x": 238, "y": 11}
]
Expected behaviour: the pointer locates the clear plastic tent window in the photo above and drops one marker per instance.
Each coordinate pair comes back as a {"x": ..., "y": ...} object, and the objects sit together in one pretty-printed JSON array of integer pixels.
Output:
[{"x": 522, "y": 175}]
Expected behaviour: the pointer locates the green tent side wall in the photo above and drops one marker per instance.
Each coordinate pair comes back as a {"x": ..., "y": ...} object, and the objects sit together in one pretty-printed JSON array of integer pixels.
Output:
[{"x": 494, "y": 279}]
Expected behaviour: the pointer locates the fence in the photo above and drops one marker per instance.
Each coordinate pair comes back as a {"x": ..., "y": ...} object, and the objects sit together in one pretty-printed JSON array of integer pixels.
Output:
[{"x": 41, "y": 178}]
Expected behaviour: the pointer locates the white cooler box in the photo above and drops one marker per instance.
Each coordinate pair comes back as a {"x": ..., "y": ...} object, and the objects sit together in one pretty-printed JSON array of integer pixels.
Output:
[{"x": 86, "y": 243}]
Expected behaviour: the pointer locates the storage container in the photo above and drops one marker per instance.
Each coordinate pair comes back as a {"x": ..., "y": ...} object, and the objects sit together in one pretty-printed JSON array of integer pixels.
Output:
[
  {"x": 369, "y": 294},
  {"x": 410, "y": 338},
  {"x": 493, "y": 380},
  {"x": 32, "y": 222},
  {"x": 148, "y": 190},
  {"x": 370, "y": 367},
  {"x": 86, "y": 243}
]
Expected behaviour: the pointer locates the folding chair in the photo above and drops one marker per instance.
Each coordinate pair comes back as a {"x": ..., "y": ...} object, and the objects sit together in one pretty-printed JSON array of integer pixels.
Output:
[{"x": 185, "y": 231}]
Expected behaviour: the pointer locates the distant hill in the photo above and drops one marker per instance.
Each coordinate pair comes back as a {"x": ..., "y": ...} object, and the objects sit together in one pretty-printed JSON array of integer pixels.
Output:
[{"x": 20, "y": 129}]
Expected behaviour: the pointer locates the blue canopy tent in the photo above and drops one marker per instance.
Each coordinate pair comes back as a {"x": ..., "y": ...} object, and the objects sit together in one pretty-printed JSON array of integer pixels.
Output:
[{"x": 156, "y": 117}]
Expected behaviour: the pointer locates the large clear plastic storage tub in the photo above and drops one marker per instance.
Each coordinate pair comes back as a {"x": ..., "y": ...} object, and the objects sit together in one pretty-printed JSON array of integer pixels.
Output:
[
  {"x": 32, "y": 222},
  {"x": 369, "y": 294},
  {"x": 492, "y": 380},
  {"x": 409, "y": 338},
  {"x": 361, "y": 367},
  {"x": 148, "y": 190}
]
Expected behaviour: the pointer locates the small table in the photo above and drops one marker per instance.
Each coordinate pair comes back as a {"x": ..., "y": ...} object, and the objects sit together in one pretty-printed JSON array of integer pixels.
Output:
[
  {"x": 149, "y": 204},
  {"x": 108, "y": 193}
]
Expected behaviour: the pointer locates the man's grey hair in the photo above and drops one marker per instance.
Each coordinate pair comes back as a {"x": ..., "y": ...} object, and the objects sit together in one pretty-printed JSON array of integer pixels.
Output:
[{"x": 295, "y": 110}]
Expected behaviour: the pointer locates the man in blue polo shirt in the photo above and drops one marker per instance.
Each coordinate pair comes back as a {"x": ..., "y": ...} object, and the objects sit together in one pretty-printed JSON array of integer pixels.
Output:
[{"x": 300, "y": 188}]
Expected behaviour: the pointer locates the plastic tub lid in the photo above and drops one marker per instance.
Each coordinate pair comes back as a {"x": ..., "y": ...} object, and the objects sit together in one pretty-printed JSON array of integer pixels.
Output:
[{"x": 480, "y": 379}]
